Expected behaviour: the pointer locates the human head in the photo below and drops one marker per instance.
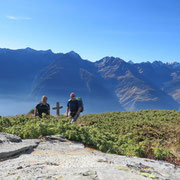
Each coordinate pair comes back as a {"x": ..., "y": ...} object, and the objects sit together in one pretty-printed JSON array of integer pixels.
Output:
[
  {"x": 72, "y": 96},
  {"x": 44, "y": 99}
]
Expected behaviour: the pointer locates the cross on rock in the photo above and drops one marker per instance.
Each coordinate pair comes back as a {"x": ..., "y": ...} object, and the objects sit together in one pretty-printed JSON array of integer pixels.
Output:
[{"x": 57, "y": 108}]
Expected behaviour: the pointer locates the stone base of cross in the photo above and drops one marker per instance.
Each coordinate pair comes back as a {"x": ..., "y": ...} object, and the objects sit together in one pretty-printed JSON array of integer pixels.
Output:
[{"x": 57, "y": 108}]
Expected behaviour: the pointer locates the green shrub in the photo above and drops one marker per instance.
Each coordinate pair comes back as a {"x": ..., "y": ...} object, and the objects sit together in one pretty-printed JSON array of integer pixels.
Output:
[{"x": 142, "y": 133}]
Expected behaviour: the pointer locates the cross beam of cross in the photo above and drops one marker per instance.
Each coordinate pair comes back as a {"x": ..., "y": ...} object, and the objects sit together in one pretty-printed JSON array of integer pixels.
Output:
[{"x": 57, "y": 108}]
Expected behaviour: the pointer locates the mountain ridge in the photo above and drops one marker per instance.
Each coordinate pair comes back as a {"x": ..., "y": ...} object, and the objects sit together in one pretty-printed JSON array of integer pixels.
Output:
[
  {"x": 121, "y": 85},
  {"x": 176, "y": 63}
]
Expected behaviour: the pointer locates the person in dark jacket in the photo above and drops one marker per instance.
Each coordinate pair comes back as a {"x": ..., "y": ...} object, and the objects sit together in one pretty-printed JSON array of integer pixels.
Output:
[
  {"x": 42, "y": 107},
  {"x": 74, "y": 106}
]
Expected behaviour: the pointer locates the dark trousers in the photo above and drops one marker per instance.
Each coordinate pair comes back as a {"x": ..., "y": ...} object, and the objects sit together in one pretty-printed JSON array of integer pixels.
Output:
[{"x": 72, "y": 114}]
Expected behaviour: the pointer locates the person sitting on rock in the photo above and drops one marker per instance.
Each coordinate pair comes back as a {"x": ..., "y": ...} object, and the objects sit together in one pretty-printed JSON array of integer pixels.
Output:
[
  {"x": 75, "y": 107},
  {"x": 42, "y": 107}
]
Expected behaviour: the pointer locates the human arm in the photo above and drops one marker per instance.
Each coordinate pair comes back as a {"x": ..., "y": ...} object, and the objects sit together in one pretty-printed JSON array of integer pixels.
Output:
[
  {"x": 48, "y": 112},
  {"x": 67, "y": 111},
  {"x": 35, "y": 112},
  {"x": 48, "y": 109}
]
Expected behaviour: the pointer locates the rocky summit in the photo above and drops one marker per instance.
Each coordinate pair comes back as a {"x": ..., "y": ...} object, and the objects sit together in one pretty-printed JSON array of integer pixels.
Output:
[{"x": 54, "y": 157}]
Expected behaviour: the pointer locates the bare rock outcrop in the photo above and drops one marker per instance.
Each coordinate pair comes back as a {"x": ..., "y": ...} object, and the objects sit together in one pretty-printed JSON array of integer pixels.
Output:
[
  {"x": 57, "y": 158},
  {"x": 12, "y": 145}
]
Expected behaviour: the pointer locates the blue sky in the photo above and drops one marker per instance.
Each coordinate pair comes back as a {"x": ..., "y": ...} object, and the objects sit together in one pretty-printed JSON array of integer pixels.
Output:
[{"x": 138, "y": 30}]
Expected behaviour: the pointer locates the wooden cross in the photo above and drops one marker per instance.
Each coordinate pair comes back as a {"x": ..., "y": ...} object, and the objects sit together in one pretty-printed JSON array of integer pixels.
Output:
[{"x": 57, "y": 108}]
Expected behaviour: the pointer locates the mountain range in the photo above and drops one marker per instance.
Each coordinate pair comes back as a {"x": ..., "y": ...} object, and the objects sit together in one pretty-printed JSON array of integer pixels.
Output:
[{"x": 109, "y": 84}]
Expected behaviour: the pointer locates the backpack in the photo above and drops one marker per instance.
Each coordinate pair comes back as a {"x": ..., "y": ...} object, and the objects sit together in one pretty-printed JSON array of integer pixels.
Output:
[{"x": 81, "y": 102}]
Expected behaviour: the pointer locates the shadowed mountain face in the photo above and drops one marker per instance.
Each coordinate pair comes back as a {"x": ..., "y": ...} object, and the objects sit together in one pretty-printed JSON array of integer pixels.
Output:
[
  {"x": 109, "y": 84},
  {"x": 19, "y": 67},
  {"x": 72, "y": 74}
]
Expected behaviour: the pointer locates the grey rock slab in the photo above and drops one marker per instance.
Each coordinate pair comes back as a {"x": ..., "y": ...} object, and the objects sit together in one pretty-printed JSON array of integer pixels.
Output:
[
  {"x": 56, "y": 137},
  {"x": 8, "y": 149},
  {"x": 72, "y": 161},
  {"x": 4, "y": 137},
  {"x": 107, "y": 174}
]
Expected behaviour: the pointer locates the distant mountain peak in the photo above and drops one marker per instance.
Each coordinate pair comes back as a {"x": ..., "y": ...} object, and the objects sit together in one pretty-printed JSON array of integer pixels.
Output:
[
  {"x": 49, "y": 51},
  {"x": 158, "y": 63},
  {"x": 174, "y": 64},
  {"x": 74, "y": 54},
  {"x": 42, "y": 51},
  {"x": 111, "y": 59},
  {"x": 30, "y": 49},
  {"x": 169, "y": 63},
  {"x": 130, "y": 62}
]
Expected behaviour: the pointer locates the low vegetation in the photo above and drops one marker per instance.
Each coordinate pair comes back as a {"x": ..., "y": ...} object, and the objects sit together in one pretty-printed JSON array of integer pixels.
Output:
[{"x": 149, "y": 133}]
